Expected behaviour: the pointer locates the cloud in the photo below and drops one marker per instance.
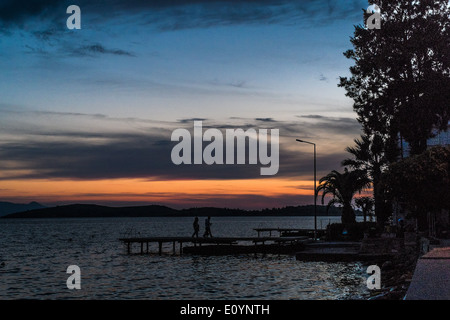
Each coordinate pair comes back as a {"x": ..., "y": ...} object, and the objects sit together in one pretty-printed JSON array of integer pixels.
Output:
[
  {"x": 191, "y": 120},
  {"x": 238, "y": 84},
  {"x": 339, "y": 125},
  {"x": 99, "y": 147},
  {"x": 265, "y": 119},
  {"x": 96, "y": 49},
  {"x": 36, "y": 50},
  {"x": 203, "y": 14},
  {"x": 47, "y": 34},
  {"x": 16, "y": 12},
  {"x": 181, "y": 14},
  {"x": 323, "y": 78}
]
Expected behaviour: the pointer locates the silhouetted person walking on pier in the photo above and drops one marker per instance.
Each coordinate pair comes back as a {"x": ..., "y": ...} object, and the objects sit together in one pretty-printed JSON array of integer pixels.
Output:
[
  {"x": 207, "y": 228},
  {"x": 196, "y": 227}
]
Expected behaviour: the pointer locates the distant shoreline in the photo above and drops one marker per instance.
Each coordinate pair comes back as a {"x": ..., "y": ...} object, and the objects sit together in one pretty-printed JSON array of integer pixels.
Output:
[{"x": 97, "y": 211}]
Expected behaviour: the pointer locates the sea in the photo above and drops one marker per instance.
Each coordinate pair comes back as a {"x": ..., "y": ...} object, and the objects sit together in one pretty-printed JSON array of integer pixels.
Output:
[{"x": 35, "y": 255}]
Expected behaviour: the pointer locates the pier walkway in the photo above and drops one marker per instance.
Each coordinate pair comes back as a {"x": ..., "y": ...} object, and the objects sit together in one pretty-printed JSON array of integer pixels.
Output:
[
  {"x": 286, "y": 232},
  {"x": 216, "y": 245}
]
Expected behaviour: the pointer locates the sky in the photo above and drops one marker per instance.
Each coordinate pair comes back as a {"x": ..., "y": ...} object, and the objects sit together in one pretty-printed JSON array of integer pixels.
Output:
[{"x": 86, "y": 116}]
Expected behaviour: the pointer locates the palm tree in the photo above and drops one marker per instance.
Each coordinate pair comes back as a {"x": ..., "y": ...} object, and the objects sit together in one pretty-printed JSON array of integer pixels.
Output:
[
  {"x": 369, "y": 155},
  {"x": 366, "y": 206},
  {"x": 343, "y": 187}
]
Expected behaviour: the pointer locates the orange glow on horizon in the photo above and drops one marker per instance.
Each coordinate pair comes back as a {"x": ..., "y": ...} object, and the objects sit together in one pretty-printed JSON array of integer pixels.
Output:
[{"x": 148, "y": 190}]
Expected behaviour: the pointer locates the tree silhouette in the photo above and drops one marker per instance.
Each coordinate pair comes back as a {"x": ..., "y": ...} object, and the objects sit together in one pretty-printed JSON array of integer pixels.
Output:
[
  {"x": 342, "y": 187},
  {"x": 421, "y": 183},
  {"x": 400, "y": 81},
  {"x": 366, "y": 206},
  {"x": 369, "y": 156}
]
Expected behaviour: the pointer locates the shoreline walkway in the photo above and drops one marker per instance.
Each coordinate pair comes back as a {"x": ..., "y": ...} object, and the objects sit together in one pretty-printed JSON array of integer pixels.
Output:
[{"x": 431, "y": 279}]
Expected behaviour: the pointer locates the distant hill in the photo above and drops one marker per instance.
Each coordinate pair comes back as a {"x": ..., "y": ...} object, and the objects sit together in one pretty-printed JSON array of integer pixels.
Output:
[
  {"x": 92, "y": 211},
  {"x": 9, "y": 207}
]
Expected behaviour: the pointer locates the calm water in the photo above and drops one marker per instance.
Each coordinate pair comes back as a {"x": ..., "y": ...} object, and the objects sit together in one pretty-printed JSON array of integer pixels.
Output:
[{"x": 35, "y": 253}]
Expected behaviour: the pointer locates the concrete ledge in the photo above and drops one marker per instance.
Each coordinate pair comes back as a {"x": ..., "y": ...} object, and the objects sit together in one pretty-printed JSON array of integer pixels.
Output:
[
  {"x": 431, "y": 279},
  {"x": 438, "y": 253}
]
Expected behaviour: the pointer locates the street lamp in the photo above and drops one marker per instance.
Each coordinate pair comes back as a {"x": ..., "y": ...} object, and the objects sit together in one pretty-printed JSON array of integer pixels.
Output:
[{"x": 315, "y": 194}]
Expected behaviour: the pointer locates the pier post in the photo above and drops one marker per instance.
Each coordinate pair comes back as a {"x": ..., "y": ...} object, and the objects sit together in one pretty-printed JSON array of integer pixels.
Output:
[
  {"x": 128, "y": 247},
  {"x": 142, "y": 247},
  {"x": 147, "y": 246},
  {"x": 181, "y": 248},
  {"x": 160, "y": 247},
  {"x": 174, "y": 248}
]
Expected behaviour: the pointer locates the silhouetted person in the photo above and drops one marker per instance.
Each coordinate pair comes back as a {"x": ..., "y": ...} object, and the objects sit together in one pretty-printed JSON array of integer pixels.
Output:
[
  {"x": 207, "y": 228},
  {"x": 196, "y": 227}
]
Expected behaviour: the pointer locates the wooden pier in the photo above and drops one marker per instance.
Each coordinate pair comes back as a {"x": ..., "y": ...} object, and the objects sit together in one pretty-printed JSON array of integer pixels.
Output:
[
  {"x": 291, "y": 232},
  {"x": 219, "y": 245}
]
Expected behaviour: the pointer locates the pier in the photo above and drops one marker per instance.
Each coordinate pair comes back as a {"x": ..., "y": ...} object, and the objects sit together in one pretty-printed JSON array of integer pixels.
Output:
[
  {"x": 291, "y": 232},
  {"x": 218, "y": 245}
]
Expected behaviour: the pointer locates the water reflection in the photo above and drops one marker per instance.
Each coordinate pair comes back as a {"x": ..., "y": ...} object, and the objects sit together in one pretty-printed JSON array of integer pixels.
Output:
[{"x": 35, "y": 255}]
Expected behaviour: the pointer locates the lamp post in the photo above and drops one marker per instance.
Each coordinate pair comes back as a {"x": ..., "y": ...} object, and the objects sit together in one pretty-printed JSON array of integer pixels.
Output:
[{"x": 315, "y": 192}]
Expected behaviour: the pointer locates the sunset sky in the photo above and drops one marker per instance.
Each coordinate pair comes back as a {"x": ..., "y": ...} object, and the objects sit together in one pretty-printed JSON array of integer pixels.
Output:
[{"x": 86, "y": 115}]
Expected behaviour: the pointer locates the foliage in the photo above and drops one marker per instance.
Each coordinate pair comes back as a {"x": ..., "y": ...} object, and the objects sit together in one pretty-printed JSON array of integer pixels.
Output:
[
  {"x": 400, "y": 82},
  {"x": 342, "y": 187},
  {"x": 366, "y": 205},
  {"x": 370, "y": 156},
  {"x": 422, "y": 182}
]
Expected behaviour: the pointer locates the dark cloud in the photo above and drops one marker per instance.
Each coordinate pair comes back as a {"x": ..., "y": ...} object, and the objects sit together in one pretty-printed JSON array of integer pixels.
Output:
[
  {"x": 323, "y": 78},
  {"x": 265, "y": 119},
  {"x": 203, "y": 14},
  {"x": 36, "y": 50},
  {"x": 179, "y": 14},
  {"x": 16, "y": 12},
  {"x": 147, "y": 154},
  {"x": 335, "y": 124},
  {"x": 238, "y": 84},
  {"x": 191, "y": 120},
  {"x": 313, "y": 116},
  {"x": 241, "y": 84},
  {"x": 139, "y": 156},
  {"x": 47, "y": 34},
  {"x": 95, "y": 49}
]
